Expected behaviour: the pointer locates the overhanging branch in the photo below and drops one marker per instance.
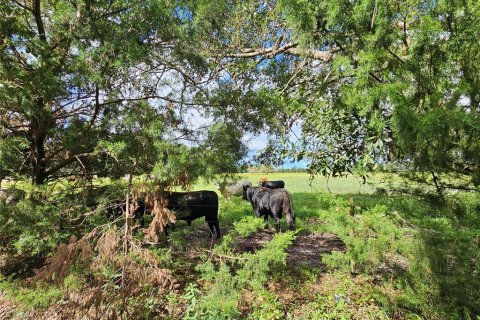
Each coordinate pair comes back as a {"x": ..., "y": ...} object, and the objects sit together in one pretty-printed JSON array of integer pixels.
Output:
[
  {"x": 66, "y": 162},
  {"x": 289, "y": 48},
  {"x": 155, "y": 97}
]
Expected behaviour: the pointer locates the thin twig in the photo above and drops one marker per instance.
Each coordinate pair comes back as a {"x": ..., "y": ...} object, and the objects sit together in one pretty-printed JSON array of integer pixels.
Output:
[{"x": 125, "y": 242}]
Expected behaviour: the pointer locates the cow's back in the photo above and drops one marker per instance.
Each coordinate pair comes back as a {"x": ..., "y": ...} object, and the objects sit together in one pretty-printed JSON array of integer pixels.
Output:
[
  {"x": 273, "y": 200},
  {"x": 265, "y": 201},
  {"x": 277, "y": 184},
  {"x": 191, "y": 205}
]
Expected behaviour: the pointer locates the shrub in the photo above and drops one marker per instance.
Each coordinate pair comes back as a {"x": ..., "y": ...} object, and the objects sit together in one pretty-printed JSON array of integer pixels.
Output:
[{"x": 247, "y": 271}]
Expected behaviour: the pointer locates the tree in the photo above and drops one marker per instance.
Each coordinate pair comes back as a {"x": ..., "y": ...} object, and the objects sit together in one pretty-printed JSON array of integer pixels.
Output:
[
  {"x": 80, "y": 81},
  {"x": 368, "y": 81}
]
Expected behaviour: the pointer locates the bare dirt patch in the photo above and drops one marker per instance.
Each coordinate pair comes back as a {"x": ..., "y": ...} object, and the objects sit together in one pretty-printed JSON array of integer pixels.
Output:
[{"x": 306, "y": 250}]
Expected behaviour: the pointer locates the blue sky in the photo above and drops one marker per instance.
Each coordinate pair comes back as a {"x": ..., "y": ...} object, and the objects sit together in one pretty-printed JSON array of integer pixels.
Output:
[{"x": 257, "y": 143}]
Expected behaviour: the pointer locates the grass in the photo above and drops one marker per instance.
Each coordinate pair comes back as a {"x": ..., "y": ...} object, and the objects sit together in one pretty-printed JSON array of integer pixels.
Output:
[
  {"x": 301, "y": 182},
  {"x": 311, "y": 198}
]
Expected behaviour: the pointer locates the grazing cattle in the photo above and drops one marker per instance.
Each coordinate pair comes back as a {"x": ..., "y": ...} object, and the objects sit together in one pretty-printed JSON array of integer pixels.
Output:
[
  {"x": 186, "y": 206},
  {"x": 232, "y": 189},
  {"x": 273, "y": 184},
  {"x": 189, "y": 206},
  {"x": 271, "y": 202}
]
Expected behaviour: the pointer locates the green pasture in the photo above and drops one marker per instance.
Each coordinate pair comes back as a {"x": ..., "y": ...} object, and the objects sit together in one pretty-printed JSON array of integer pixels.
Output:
[
  {"x": 295, "y": 182},
  {"x": 302, "y": 182},
  {"x": 312, "y": 198}
]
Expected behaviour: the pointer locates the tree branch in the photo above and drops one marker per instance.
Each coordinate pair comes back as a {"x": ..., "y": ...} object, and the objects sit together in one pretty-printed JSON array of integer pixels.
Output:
[
  {"x": 289, "y": 48},
  {"x": 97, "y": 109},
  {"x": 66, "y": 162},
  {"x": 155, "y": 97},
  {"x": 24, "y": 6},
  {"x": 38, "y": 19},
  {"x": 395, "y": 55}
]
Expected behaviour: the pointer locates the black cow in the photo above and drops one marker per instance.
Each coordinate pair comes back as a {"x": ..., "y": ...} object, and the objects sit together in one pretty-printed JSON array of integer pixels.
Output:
[
  {"x": 189, "y": 206},
  {"x": 273, "y": 184},
  {"x": 271, "y": 202},
  {"x": 186, "y": 206}
]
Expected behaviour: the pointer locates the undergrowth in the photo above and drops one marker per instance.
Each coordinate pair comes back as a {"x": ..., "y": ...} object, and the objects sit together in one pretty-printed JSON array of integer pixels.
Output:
[
  {"x": 225, "y": 280},
  {"x": 406, "y": 258}
]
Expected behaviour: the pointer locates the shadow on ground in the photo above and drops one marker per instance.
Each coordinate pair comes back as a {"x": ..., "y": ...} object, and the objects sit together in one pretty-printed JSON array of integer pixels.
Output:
[{"x": 306, "y": 250}]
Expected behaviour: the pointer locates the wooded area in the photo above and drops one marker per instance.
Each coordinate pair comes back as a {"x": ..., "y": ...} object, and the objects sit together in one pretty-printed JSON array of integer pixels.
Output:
[{"x": 104, "y": 103}]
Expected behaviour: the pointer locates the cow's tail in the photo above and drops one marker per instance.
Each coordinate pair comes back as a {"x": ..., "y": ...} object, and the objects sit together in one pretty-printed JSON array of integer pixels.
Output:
[{"x": 289, "y": 214}]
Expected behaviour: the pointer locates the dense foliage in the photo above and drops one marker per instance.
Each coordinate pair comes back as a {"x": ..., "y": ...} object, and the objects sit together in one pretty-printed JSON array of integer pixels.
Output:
[
  {"x": 344, "y": 84},
  {"x": 363, "y": 82},
  {"x": 404, "y": 257},
  {"x": 97, "y": 88},
  {"x": 104, "y": 104}
]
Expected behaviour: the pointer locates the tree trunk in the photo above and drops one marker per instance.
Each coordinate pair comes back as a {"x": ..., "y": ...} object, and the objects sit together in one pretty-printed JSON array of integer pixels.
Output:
[
  {"x": 37, "y": 147},
  {"x": 40, "y": 123}
]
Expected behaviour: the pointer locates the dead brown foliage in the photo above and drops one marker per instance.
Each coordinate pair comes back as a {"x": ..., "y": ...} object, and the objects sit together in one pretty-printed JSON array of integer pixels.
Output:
[
  {"x": 58, "y": 266},
  {"x": 120, "y": 273},
  {"x": 7, "y": 308},
  {"x": 102, "y": 296},
  {"x": 154, "y": 197},
  {"x": 161, "y": 216}
]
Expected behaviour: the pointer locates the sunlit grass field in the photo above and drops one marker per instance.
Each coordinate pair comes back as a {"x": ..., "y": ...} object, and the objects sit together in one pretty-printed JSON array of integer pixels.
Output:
[
  {"x": 301, "y": 182},
  {"x": 308, "y": 194}
]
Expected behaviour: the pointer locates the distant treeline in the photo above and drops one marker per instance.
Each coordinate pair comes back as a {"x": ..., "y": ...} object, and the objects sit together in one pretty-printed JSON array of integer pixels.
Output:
[
  {"x": 266, "y": 169},
  {"x": 384, "y": 167}
]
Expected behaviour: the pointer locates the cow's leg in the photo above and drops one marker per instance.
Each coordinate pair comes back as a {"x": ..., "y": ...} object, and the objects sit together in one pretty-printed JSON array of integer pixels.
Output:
[
  {"x": 211, "y": 228},
  {"x": 277, "y": 225},
  {"x": 276, "y": 217},
  {"x": 265, "y": 221},
  {"x": 290, "y": 221},
  {"x": 214, "y": 228},
  {"x": 217, "y": 227}
]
